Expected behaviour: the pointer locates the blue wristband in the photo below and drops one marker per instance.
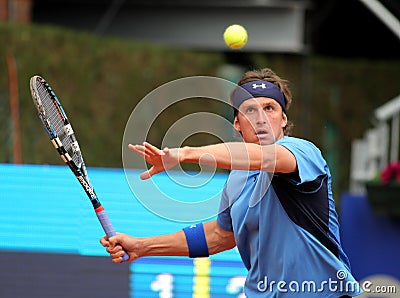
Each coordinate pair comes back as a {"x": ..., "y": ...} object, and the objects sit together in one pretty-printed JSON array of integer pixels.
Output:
[{"x": 196, "y": 241}]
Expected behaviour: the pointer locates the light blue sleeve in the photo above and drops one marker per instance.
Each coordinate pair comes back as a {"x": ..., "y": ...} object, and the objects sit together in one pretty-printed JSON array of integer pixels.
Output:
[
  {"x": 224, "y": 216},
  {"x": 310, "y": 162}
]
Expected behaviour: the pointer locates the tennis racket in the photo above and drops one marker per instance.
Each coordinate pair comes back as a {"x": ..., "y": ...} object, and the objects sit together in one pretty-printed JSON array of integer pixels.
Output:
[{"x": 62, "y": 136}]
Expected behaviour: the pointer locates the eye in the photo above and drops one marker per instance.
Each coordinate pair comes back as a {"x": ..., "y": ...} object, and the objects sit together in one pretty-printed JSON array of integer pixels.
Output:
[
  {"x": 250, "y": 110},
  {"x": 268, "y": 108}
]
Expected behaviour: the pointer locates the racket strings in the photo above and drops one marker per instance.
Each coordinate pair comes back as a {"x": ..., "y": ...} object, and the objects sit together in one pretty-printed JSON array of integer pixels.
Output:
[{"x": 59, "y": 122}]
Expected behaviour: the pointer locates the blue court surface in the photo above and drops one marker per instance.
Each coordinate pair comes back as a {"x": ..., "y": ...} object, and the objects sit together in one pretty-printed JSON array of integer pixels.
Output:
[
  {"x": 49, "y": 231},
  {"x": 46, "y": 213}
]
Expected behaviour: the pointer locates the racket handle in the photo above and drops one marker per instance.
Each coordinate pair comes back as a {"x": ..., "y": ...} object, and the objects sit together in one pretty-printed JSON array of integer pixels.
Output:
[{"x": 107, "y": 226}]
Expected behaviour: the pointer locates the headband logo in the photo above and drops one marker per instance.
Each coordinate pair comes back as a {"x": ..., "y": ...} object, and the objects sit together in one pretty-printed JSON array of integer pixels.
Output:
[{"x": 262, "y": 85}]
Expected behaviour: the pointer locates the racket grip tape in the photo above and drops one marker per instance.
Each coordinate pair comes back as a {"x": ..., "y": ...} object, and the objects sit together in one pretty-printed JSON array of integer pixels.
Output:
[{"x": 107, "y": 226}]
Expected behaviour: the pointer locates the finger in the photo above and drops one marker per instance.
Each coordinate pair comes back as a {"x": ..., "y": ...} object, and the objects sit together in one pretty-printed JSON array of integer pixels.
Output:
[
  {"x": 117, "y": 260},
  {"x": 116, "y": 239},
  {"x": 145, "y": 175},
  {"x": 117, "y": 253},
  {"x": 145, "y": 150},
  {"x": 136, "y": 148},
  {"x": 133, "y": 147},
  {"x": 114, "y": 250},
  {"x": 141, "y": 152},
  {"x": 104, "y": 241},
  {"x": 153, "y": 149}
]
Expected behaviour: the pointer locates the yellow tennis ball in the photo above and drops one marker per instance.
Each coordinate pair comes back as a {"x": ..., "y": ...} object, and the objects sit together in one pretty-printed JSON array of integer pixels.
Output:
[{"x": 235, "y": 36}]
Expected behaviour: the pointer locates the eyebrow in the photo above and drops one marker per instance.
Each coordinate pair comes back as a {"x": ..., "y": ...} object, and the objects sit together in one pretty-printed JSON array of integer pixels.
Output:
[{"x": 257, "y": 104}]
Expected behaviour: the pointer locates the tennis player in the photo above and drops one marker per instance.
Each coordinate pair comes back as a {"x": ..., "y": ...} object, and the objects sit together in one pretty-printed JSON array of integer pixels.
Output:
[{"x": 276, "y": 206}]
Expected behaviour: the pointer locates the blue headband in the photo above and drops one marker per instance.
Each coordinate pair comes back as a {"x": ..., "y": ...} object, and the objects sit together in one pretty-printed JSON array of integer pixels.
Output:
[{"x": 257, "y": 89}]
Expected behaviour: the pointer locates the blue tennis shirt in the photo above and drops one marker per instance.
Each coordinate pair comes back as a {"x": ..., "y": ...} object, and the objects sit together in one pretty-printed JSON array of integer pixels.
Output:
[{"x": 286, "y": 228}]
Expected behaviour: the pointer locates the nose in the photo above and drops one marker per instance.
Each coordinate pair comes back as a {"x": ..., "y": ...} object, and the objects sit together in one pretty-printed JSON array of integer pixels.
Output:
[{"x": 261, "y": 117}]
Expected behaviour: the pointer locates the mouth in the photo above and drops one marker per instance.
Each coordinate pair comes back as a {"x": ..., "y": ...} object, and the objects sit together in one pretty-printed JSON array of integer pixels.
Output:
[{"x": 261, "y": 133}]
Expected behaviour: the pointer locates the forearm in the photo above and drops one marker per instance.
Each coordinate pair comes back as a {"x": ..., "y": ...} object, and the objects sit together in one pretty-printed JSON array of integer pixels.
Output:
[
  {"x": 176, "y": 244},
  {"x": 231, "y": 156},
  {"x": 164, "y": 245}
]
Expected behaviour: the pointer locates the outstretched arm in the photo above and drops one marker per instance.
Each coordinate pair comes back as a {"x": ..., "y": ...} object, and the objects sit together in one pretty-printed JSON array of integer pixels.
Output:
[
  {"x": 166, "y": 245},
  {"x": 231, "y": 156}
]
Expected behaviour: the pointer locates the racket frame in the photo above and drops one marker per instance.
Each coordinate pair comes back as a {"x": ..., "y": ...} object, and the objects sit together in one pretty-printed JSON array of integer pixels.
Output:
[{"x": 79, "y": 171}]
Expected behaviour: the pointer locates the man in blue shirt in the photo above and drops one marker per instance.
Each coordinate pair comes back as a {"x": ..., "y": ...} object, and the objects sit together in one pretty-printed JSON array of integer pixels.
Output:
[{"x": 276, "y": 206}]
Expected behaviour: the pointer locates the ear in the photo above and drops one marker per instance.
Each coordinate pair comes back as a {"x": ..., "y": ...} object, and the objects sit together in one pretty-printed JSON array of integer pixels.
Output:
[
  {"x": 236, "y": 124},
  {"x": 284, "y": 120}
]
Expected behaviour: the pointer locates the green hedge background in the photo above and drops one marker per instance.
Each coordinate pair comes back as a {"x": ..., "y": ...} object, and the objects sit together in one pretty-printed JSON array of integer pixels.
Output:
[{"x": 101, "y": 79}]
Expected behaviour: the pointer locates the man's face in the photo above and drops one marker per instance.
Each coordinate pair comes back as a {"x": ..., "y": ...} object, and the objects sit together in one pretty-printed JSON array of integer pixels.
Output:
[{"x": 260, "y": 120}]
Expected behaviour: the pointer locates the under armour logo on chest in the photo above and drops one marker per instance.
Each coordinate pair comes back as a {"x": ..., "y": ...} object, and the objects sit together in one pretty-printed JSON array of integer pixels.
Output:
[{"x": 262, "y": 85}]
